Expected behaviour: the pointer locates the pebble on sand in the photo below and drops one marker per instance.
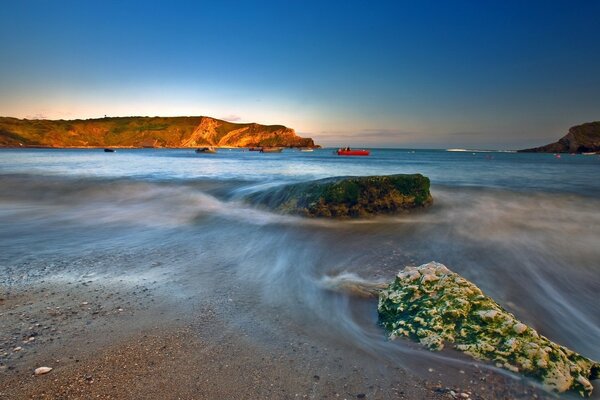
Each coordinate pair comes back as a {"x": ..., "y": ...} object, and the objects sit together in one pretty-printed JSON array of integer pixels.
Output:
[{"x": 42, "y": 370}]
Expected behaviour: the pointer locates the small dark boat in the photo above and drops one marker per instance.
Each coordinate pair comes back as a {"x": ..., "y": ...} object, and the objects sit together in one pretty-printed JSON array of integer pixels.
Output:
[
  {"x": 209, "y": 150},
  {"x": 109, "y": 150},
  {"x": 254, "y": 148},
  {"x": 271, "y": 150},
  {"x": 347, "y": 151}
]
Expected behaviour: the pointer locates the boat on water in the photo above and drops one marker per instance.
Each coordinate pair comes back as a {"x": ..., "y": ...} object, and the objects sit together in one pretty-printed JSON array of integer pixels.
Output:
[
  {"x": 208, "y": 150},
  {"x": 109, "y": 150},
  {"x": 271, "y": 149},
  {"x": 306, "y": 149},
  {"x": 254, "y": 148},
  {"x": 347, "y": 151}
]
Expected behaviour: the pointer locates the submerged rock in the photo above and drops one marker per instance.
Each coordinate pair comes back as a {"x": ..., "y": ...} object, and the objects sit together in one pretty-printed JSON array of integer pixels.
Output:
[
  {"x": 349, "y": 196},
  {"x": 434, "y": 306}
]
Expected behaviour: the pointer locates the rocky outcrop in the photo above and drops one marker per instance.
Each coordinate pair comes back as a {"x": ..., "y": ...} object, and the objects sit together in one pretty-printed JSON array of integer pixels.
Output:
[
  {"x": 214, "y": 132},
  {"x": 580, "y": 139},
  {"x": 434, "y": 306},
  {"x": 349, "y": 196},
  {"x": 145, "y": 132}
]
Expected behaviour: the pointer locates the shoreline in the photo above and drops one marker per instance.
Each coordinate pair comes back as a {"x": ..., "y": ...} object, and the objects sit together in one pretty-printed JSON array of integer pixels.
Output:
[
  {"x": 145, "y": 148},
  {"x": 99, "y": 278},
  {"x": 120, "y": 339}
]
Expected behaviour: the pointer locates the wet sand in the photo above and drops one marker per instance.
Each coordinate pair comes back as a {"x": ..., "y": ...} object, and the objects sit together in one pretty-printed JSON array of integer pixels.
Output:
[{"x": 126, "y": 340}]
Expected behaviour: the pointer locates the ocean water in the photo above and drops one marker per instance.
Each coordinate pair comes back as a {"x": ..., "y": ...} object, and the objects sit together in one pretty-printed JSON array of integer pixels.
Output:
[{"x": 523, "y": 227}]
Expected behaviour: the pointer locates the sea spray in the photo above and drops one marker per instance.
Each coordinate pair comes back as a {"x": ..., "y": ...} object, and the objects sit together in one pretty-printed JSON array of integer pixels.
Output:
[{"x": 352, "y": 284}]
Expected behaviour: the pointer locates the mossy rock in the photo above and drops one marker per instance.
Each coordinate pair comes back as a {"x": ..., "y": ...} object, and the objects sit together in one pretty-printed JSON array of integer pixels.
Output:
[
  {"x": 349, "y": 196},
  {"x": 432, "y": 305}
]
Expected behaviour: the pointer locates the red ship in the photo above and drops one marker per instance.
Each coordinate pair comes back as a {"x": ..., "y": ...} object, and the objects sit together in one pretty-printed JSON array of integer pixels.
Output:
[{"x": 347, "y": 151}]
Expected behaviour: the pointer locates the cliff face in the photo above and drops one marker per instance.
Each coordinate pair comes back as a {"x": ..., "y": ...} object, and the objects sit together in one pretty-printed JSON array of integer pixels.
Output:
[
  {"x": 580, "y": 139},
  {"x": 144, "y": 132}
]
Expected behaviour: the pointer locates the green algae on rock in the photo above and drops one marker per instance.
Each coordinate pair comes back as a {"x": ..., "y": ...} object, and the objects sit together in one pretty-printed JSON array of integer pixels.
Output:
[
  {"x": 350, "y": 196},
  {"x": 434, "y": 306}
]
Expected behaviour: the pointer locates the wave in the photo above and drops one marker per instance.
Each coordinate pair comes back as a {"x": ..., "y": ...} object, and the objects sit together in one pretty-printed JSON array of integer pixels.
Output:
[
  {"x": 535, "y": 253},
  {"x": 122, "y": 202},
  {"x": 352, "y": 284},
  {"x": 480, "y": 151}
]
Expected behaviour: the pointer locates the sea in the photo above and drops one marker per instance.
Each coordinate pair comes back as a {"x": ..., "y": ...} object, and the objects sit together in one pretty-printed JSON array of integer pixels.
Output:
[{"x": 523, "y": 227}]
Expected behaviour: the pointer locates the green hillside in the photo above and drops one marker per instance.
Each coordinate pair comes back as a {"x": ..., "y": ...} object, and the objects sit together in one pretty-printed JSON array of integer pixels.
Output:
[{"x": 143, "y": 132}]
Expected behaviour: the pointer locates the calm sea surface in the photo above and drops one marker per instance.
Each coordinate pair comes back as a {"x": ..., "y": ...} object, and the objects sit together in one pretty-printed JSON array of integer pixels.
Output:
[
  {"x": 514, "y": 171},
  {"x": 523, "y": 227}
]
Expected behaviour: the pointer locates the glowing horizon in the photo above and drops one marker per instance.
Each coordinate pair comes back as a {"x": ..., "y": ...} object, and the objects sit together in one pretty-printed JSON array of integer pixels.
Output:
[{"x": 500, "y": 76}]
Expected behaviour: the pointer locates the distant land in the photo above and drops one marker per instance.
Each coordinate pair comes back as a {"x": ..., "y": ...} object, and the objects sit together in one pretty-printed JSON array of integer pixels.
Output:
[
  {"x": 135, "y": 132},
  {"x": 584, "y": 138}
]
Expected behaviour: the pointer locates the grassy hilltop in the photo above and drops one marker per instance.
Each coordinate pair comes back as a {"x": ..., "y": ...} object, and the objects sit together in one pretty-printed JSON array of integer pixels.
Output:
[{"x": 144, "y": 132}]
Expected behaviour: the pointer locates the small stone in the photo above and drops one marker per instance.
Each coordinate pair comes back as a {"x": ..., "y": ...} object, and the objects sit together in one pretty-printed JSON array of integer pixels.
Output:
[
  {"x": 18, "y": 348},
  {"x": 519, "y": 328},
  {"x": 42, "y": 370},
  {"x": 361, "y": 396},
  {"x": 463, "y": 396},
  {"x": 489, "y": 314}
]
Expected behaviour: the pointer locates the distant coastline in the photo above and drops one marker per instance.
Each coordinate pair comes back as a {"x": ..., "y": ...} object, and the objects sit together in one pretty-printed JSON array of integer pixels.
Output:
[
  {"x": 145, "y": 132},
  {"x": 584, "y": 138}
]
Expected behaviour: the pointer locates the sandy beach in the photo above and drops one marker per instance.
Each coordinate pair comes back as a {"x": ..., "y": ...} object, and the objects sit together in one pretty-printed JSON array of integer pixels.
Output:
[{"x": 126, "y": 340}]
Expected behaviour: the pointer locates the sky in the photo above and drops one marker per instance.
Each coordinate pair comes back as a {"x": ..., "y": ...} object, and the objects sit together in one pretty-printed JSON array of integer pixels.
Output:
[{"x": 422, "y": 74}]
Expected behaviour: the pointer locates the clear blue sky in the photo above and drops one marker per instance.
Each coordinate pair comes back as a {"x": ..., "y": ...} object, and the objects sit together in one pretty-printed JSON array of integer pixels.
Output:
[{"x": 495, "y": 74}]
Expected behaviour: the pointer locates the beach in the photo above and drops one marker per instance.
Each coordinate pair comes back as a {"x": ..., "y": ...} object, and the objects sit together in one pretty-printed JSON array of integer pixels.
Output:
[
  {"x": 124, "y": 341},
  {"x": 148, "y": 273}
]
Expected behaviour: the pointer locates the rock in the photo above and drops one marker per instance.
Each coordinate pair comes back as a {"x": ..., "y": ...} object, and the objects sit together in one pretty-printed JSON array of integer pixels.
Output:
[
  {"x": 519, "y": 328},
  {"x": 452, "y": 310},
  {"x": 18, "y": 348},
  {"x": 42, "y": 370},
  {"x": 349, "y": 196},
  {"x": 582, "y": 138}
]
